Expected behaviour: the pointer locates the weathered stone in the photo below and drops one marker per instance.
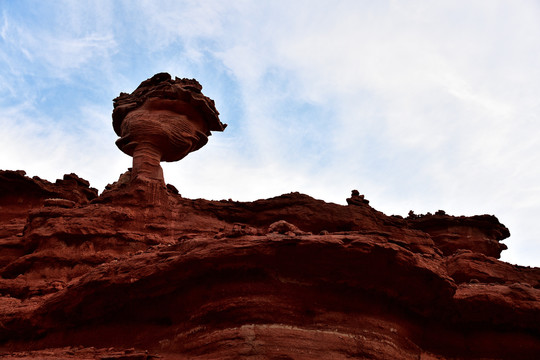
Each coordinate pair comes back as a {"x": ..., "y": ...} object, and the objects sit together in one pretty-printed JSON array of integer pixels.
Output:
[
  {"x": 480, "y": 233},
  {"x": 163, "y": 120},
  {"x": 59, "y": 202},
  {"x": 283, "y": 227},
  {"x": 201, "y": 279},
  {"x": 357, "y": 199}
]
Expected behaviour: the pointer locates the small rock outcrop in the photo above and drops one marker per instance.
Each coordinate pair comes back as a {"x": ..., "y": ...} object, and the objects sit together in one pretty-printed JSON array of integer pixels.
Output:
[
  {"x": 20, "y": 194},
  {"x": 357, "y": 199},
  {"x": 140, "y": 272},
  {"x": 284, "y": 228},
  {"x": 480, "y": 233}
]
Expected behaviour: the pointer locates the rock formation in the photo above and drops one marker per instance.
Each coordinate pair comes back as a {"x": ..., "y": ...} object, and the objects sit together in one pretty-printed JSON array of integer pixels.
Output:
[
  {"x": 163, "y": 120},
  {"x": 128, "y": 275},
  {"x": 357, "y": 199}
]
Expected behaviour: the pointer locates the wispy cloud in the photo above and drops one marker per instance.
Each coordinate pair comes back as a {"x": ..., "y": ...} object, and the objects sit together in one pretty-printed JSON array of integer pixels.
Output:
[
  {"x": 53, "y": 54},
  {"x": 421, "y": 105}
]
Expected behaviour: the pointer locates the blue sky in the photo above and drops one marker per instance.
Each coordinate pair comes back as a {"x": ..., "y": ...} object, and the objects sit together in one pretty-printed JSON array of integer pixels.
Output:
[{"x": 419, "y": 105}]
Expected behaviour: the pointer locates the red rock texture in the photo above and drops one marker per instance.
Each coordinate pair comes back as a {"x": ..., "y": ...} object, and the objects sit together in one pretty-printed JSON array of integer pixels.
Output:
[
  {"x": 140, "y": 272},
  {"x": 481, "y": 233},
  {"x": 20, "y": 194}
]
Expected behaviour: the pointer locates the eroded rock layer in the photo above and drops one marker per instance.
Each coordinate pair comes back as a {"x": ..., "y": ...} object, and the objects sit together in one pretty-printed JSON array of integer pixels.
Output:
[{"x": 140, "y": 272}]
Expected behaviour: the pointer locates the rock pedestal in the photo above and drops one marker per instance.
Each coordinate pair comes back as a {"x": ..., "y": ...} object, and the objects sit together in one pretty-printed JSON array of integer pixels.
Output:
[{"x": 163, "y": 120}]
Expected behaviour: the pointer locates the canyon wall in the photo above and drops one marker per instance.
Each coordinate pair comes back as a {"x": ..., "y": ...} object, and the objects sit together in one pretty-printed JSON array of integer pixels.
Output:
[{"x": 140, "y": 272}]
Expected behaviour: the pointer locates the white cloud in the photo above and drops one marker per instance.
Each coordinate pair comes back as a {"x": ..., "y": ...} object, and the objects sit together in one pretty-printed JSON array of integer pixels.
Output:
[
  {"x": 49, "y": 150},
  {"x": 59, "y": 49},
  {"x": 420, "y": 105}
]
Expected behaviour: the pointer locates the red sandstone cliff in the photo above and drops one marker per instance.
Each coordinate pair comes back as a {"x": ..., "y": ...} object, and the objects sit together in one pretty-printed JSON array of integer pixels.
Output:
[{"x": 140, "y": 272}]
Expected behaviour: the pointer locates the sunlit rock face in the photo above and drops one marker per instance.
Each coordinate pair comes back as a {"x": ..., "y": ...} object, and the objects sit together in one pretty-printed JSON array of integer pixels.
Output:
[{"x": 163, "y": 120}]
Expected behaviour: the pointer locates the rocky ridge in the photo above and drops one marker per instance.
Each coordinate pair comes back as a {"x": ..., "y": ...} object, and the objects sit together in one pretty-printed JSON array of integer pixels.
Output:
[{"x": 140, "y": 272}]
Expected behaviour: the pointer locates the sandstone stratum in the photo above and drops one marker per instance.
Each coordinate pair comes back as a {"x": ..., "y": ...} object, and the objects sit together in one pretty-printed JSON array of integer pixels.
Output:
[{"x": 140, "y": 272}]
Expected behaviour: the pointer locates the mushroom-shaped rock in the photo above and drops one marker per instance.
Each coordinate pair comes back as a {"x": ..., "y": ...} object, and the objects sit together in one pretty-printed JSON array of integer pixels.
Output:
[{"x": 163, "y": 120}]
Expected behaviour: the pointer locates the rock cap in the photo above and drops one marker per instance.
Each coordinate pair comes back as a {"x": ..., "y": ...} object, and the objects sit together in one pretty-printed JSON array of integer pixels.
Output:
[{"x": 163, "y": 86}]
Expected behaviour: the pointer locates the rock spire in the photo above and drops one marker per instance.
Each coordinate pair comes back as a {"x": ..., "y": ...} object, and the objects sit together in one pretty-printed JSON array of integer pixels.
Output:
[{"x": 163, "y": 120}]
